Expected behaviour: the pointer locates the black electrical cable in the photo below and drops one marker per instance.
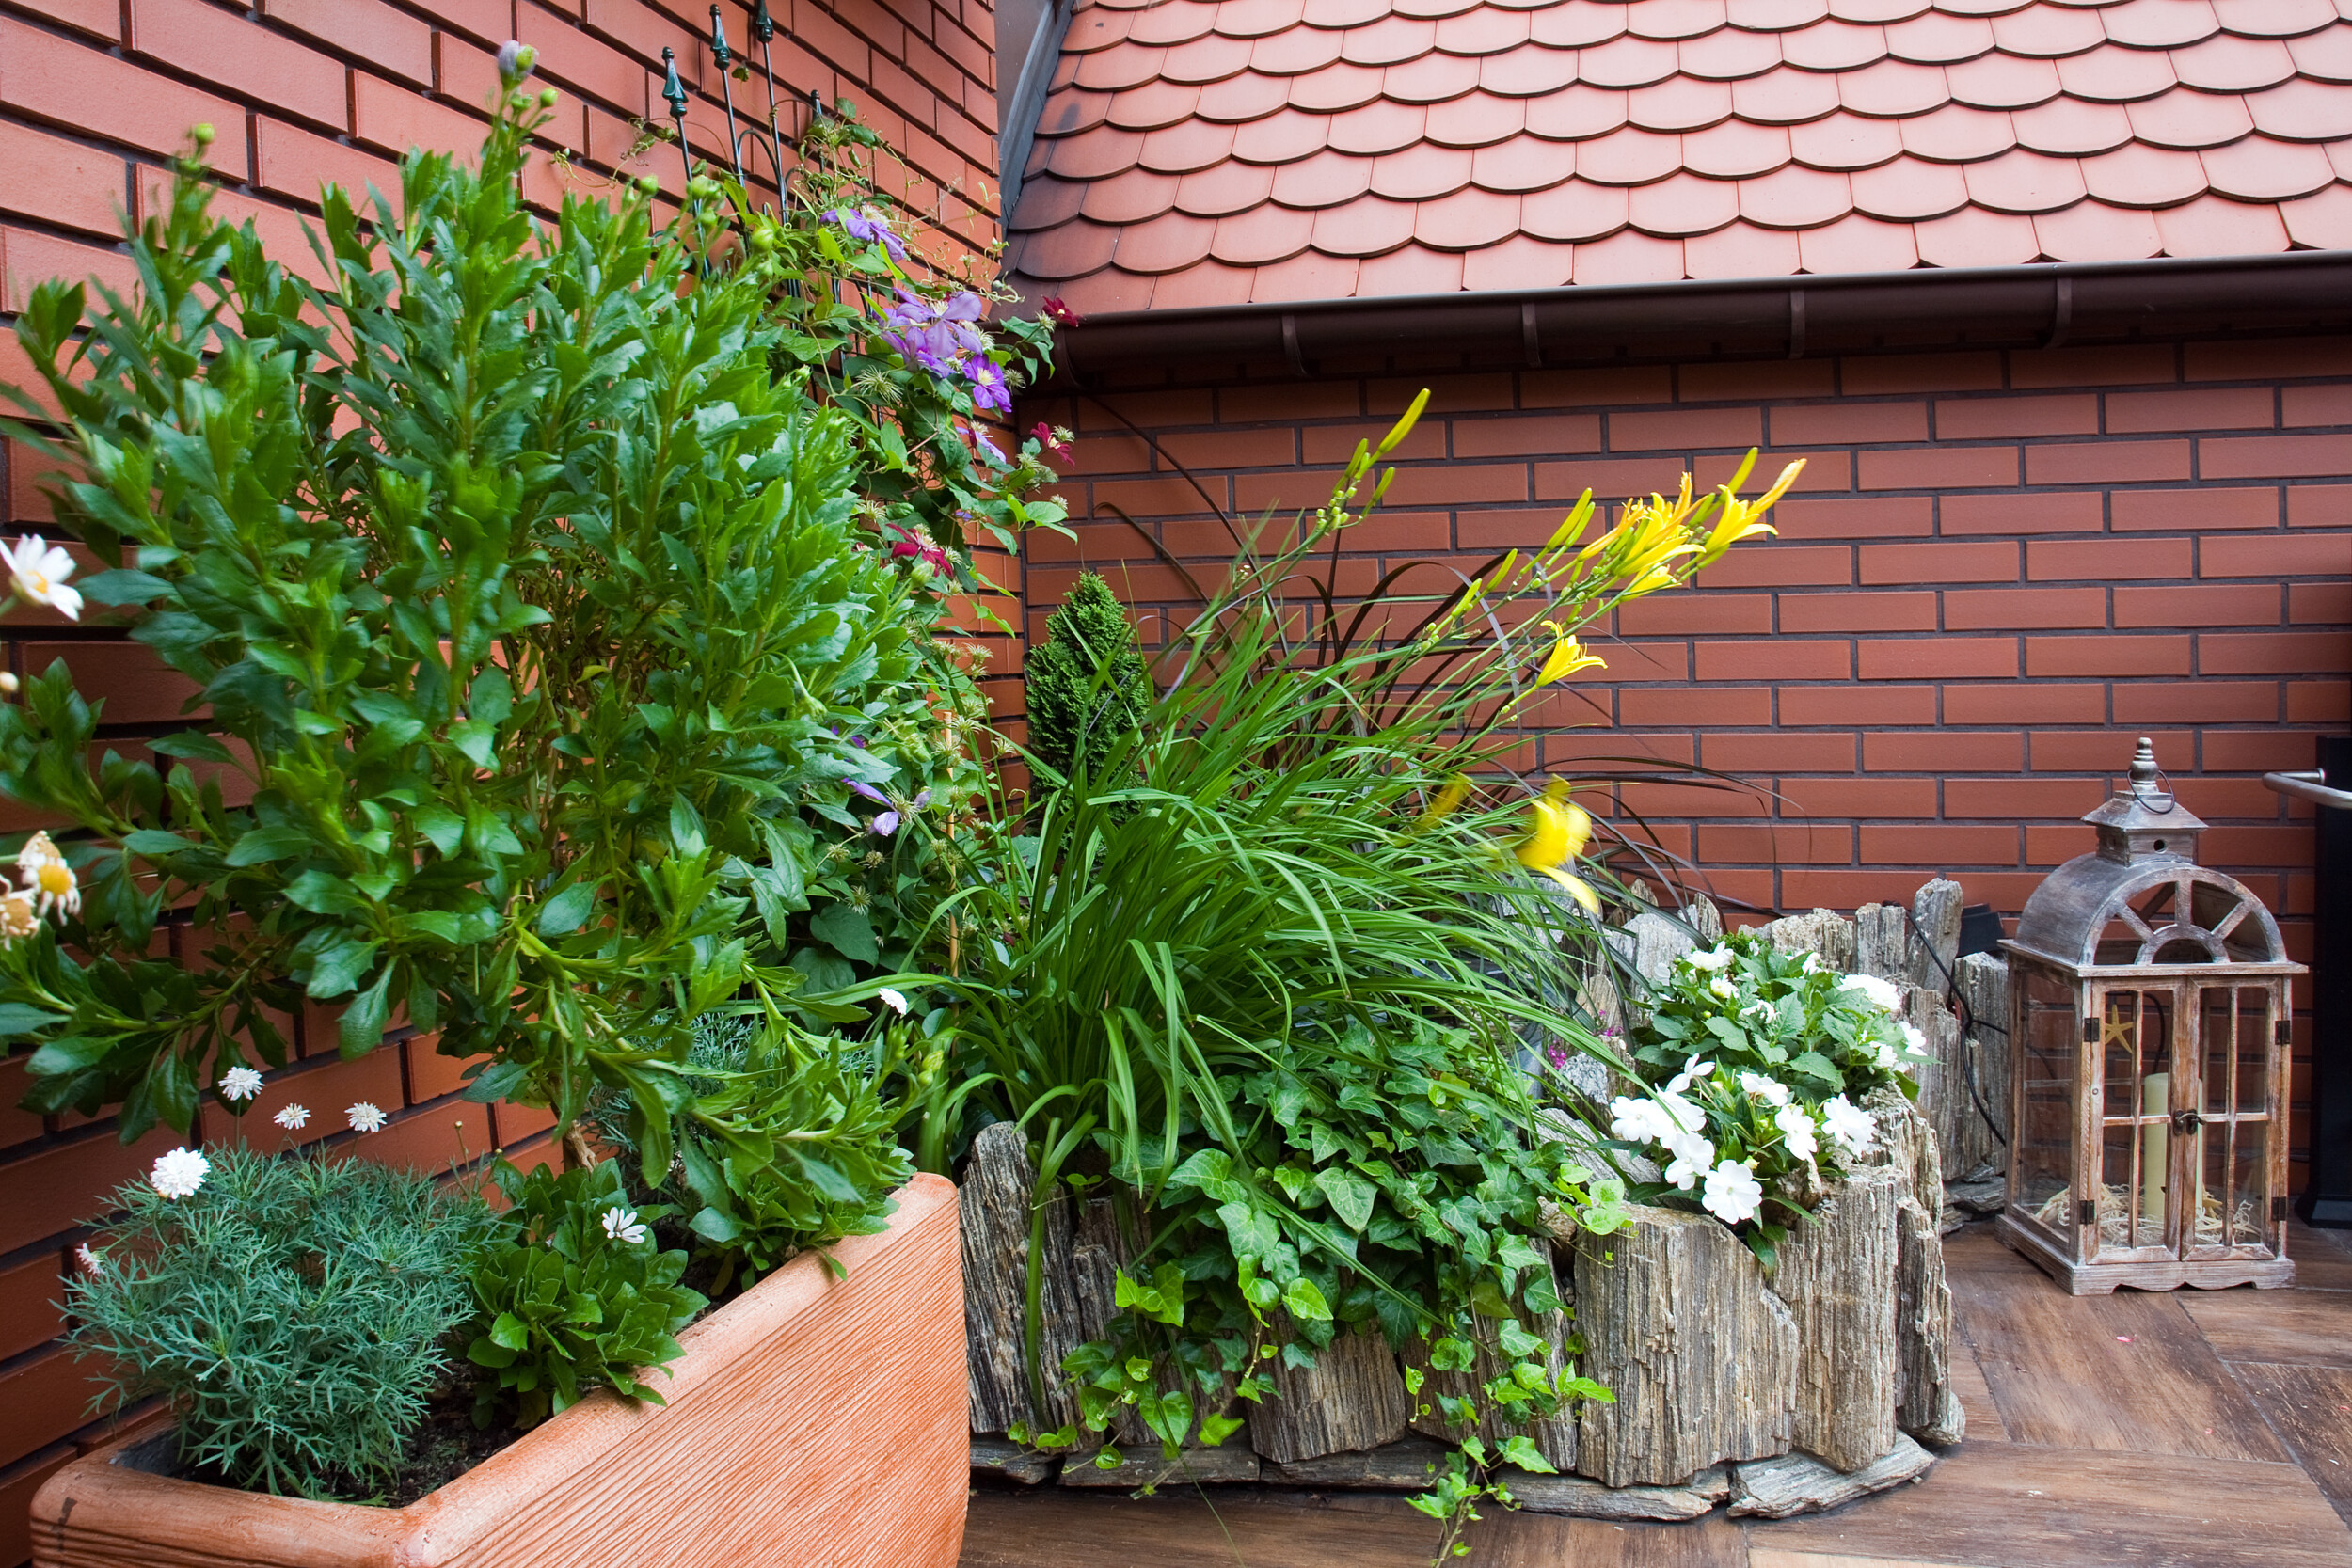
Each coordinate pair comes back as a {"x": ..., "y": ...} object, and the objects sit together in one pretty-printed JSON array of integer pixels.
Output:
[{"x": 1969, "y": 1025}]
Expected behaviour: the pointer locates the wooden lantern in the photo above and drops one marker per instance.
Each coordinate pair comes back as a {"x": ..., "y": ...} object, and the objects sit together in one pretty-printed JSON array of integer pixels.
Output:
[{"x": 2148, "y": 1023}]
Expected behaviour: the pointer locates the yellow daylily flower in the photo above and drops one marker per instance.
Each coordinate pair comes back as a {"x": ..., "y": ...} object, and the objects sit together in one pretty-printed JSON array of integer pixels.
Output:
[
  {"x": 1745, "y": 519},
  {"x": 1558, "y": 831},
  {"x": 1567, "y": 657},
  {"x": 1447, "y": 799}
]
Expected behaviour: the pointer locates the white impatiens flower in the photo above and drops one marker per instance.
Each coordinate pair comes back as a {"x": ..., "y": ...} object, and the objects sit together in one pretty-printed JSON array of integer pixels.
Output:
[
  {"x": 294, "y": 1117},
  {"x": 1733, "y": 1194},
  {"x": 365, "y": 1117},
  {"x": 1638, "y": 1121},
  {"x": 1712, "y": 959},
  {"x": 40, "y": 569},
  {"x": 91, "y": 1261},
  {"x": 240, "y": 1082},
  {"x": 1723, "y": 989},
  {"x": 897, "y": 1000},
  {"x": 180, "y": 1173},
  {"x": 1876, "y": 989},
  {"x": 1914, "y": 1040},
  {"x": 1692, "y": 1156},
  {"x": 1771, "y": 1090},
  {"x": 1851, "y": 1127},
  {"x": 1797, "y": 1131},
  {"x": 622, "y": 1225},
  {"x": 1681, "y": 1115},
  {"x": 1812, "y": 965},
  {"x": 1694, "y": 1071}
]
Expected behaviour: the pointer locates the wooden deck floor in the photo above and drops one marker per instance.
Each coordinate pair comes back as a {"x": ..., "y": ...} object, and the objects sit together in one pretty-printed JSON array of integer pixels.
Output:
[{"x": 2189, "y": 1430}]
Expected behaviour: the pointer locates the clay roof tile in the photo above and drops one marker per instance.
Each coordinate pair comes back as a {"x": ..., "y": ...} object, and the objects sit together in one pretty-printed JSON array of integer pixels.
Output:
[
  {"x": 1253, "y": 19},
  {"x": 1576, "y": 113},
  {"x": 1111, "y": 289},
  {"x": 1972, "y": 237},
  {"x": 1344, "y": 13},
  {"x": 2138, "y": 175},
  {"x": 1728, "y": 55},
  {"x": 1678, "y": 104},
  {"x": 1262, "y": 234},
  {"x": 1742, "y": 250},
  {"x": 1123, "y": 65},
  {"x": 1282, "y": 137},
  {"x": 1674, "y": 19},
  {"x": 1775, "y": 15},
  {"x": 2047, "y": 32},
  {"x": 1390, "y": 40},
  {"x": 2094, "y": 231},
  {"x": 2023, "y": 181},
  {"x": 1527, "y": 71},
  {"x": 1325, "y": 179},
  {"x": 1626, "y": 62},
  {"x": 1335, "y": 89},
  {"x": 2276, "y": 19},
  {"x": 1476, "y": 119},
  {"x": 1576, "y": 26},
  {"x": 1936, "y": 39},
  {"x": 2303, "y": 110},
  {"x": 1795, "y": 198},
  {"x": 1683, "y": 204},
  {"x": 1628, "y": 157},
  {"x": 1153, "y": 106},
  {"x": 1201, "y": 286},
  {"x": 1069, "y": 250},
  {"x": 1381, "y": 126},
  {"x": 2326, "y": 55},
  {"x": 1131, "y": 199},
  {"x": 1411, "y": 269},
  {"x": 1093, "y": 154},
  {"x": 1231, "y": 186},
  {"x": 1877, "y": 10},
  {"x": 1172, "y": 22},
  {"x": 1180, "y": 149},
  {"x": 2211, "y": 225},
  {"x": 1628, "y": 257},
  {"x": 1469, "y": 219},
  {"x": 2183, "y": 118},
  {"x": 1046, "y": 201},
  {"x": 2070, "y": 127},
  {"x": 2228, "y": 63},
  {"x": 1210, "y": 58},
  {"x": 1096, "y": 28},
  {"x": 1736, "y": 149},
  {"x": 1846, "y": 141},
  {"x": 1574, "y": 210},
  {"x": 1910, "y": 189},
  {"x": 1989, "y": 8},
  {"x": 2322, "y": 222},
  {"x": 2159, "y": 23},
  {"x": 1431, "y": 79},
  {"x": 1295, "y": 51},
  {"x": 2260, "y": 169},
  {"x": 2114, "y": 74},
  {"x": 1072, "y": 109},
  {"x": 1894, "y": 89},
  {"x": 1786, "y": 96},
  {"x": 1364, "y": 227},
  {"x": 1833, "y": 45},
  {"x": 1482, "y": 30},
  {"x": 1309, "y": 275},
  {"x": 1859, "y": 244},
  {"x": 1247, "y": 96},
  {"x": 2000, "y": 81},
  {"x": 1437, "y": 10},
  {"x": 1520, "y": 261},
  {"x": 1522, "y": 164},
  {"x": 1421, "y": 173}
]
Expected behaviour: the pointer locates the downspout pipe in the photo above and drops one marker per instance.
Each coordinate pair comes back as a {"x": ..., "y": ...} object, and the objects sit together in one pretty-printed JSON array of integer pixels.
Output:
[{"x": 2038, "y": 303}]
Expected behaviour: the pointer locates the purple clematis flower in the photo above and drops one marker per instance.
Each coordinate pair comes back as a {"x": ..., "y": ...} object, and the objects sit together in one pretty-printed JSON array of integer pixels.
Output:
[
  {"x": 866, "y": 224},
  {"x": 860, "y": 787},
  {"x": 988, "y": 384},
  {"x": 886, "y": 824},
  {"x": 987, "y": 448}
]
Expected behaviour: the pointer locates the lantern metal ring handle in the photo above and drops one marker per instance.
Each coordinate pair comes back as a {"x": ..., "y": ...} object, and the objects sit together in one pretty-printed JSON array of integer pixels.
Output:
[{"x": 2186, "y": 1121}]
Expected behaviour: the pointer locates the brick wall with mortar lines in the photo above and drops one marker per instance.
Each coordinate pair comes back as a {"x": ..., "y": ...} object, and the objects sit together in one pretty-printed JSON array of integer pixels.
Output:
[
  {"x": 1998, "y": 569},
  {"x": 96, "y": 97}
]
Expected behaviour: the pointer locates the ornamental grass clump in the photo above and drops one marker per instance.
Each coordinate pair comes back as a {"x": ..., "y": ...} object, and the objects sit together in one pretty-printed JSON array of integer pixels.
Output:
[
  {"x": 1757, "y": 1062},
  {"x": 295, "y": 1312}
]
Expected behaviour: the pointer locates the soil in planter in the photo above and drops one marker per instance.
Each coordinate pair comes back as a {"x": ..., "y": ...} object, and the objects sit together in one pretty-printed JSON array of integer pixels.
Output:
[{"x": 445, "y": 1447}]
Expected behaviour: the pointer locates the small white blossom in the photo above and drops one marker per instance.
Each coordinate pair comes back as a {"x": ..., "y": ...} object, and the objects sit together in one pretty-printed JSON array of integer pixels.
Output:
[
  {"x": 38, "y": 851},
  {"x": 1723, "y": 989},
  {"x": 180, "y": 1173},
  {"x": 1692, "y": 1156},
  {"x": 40, "y": 569},
  {"x": 91, "y": 1261},
  {"x": 1849, "y": 1125},
  {"x": 1876, "y": 989},
  {"x": 240, "y": 1082},
  {"x": 1681, "y": 1115},
  {"x": 1695, "y": 1069},
  {"x": 17, "y": 918},
  {"x": 1913, "y": 1038},
  {"x": 1733, "y": 1194},
  {"x": 54, "y": 886},
  {"x": 621, "y": 1224},
  {"x": 1763, "y": 1012},
  {"x": 1797, "y": 1131},
  {"x": 294, "y": 1117},
  {"x": 1638, "y": 1121},
  {"x": 1712, "y": 959},
  {"x": 365, "y": 1117},
  {"x": 1812, "y": 964},
  {"x": 1756, "y": 1087},
  {"x": 896, "y": 999}
]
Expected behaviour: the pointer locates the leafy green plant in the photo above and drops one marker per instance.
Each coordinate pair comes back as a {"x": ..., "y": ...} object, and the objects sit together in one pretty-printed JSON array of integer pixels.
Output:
[
  {"x": 578, "y": 1295},
  {"x": 1086, "y": 687},
  {"x": 1756, "y": 1060},
  {"x": 296, "y": 1312}
]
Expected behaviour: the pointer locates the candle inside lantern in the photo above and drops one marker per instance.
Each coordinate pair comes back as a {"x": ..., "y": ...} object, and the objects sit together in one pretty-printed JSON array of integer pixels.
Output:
[{"x": 2155, "y": 1100}]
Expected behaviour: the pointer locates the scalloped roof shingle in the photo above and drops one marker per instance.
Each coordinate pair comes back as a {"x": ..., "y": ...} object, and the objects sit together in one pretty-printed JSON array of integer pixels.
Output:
[{"x": 1210, "y": 152}]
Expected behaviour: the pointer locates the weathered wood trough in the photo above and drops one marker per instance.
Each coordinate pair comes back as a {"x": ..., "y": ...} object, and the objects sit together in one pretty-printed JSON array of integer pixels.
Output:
[{"x": 1774, "y": 1394}]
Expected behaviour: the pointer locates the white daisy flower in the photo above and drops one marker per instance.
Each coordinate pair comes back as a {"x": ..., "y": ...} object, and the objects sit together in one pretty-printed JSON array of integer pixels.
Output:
[
  {"x": 91, "y": 1261},
  {"x": 365, "y": 1117},
  {"x": 1733, "y": 1194},
  {"x": 40, "y": 569},
  {"x": 622, "y": 1225},
  {"x": 17, "y": 918},
  {"x": 180, "y": 1173},
  {"x": 240, "y": 1082},
  {"x": 1849, "y": 1125},
  {"x": 1797, "y": 1131},
  {"x": 294, "y": 1117},
  {"x": 1876, "y": 989},
  {"x": 896, "y": 999},
  {"x": 38, "y": 851},
  {"x": 54, "y": 886}
]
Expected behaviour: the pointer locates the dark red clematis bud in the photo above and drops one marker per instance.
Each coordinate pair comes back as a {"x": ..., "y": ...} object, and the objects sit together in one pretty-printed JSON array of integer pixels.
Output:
[{"x": 1057, "y": 311}]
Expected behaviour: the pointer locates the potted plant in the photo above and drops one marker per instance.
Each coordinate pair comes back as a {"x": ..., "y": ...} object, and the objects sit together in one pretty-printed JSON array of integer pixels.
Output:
[{"x": 545, "y": 618}]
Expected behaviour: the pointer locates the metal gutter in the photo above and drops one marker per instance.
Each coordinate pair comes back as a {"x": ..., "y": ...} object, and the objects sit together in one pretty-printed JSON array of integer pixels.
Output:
[{"x": 2043, "y": 305}]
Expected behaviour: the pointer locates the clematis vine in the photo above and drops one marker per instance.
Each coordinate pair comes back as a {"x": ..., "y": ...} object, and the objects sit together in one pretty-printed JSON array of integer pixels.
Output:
[{"x": 863, "y": 223}]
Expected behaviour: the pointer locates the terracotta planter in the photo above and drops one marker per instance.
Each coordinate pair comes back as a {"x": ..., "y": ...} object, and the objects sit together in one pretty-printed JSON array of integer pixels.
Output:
[{"x": 813, "y": 1421}]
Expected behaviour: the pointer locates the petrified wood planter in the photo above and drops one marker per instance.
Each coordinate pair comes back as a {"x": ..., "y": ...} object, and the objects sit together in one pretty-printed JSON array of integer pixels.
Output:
[{"x": 747, "y": 1462}]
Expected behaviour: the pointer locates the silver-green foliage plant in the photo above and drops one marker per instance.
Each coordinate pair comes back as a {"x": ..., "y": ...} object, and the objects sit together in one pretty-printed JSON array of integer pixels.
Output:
[
  {"x": 526, "y": 608},
  {"x": 295, "y": 1312}
]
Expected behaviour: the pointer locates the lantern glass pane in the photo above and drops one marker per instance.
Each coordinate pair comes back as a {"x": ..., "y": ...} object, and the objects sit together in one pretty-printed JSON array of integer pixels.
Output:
[
  {"x": 2217, "y": 1048},
  {"x": 2047, "y": 1104},
  {"x": 2131, "y": 1187},
  {"x": 2118, "y": 1054},
  {"x": 2249, "y": 1185},
  {"x": 2253, "y": 1050}
]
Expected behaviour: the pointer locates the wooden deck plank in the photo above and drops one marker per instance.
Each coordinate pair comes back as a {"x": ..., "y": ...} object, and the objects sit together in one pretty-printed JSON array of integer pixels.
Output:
[
  {"x": 1976, "y": 1396},
  {"x": 2323, "y": 1259},
  {"x": 2312, "y": 1408},
  {"x": 2127, "y": 1372},
  {"x": 2000, "y": 1505},
  {"x": 2310, "y": 1328},
  {"x": 1768, "y": 1557}
]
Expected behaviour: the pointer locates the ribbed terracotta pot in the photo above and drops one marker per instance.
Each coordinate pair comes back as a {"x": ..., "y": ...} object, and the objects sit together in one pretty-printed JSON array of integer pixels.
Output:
[{"x": 813, "y": 1421}]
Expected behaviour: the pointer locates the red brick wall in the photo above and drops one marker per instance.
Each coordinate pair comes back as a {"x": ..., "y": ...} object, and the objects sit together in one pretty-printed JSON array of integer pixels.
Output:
[
  {"x": 1997, "y": 570},
  {"x": 96, "y": 96}
]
